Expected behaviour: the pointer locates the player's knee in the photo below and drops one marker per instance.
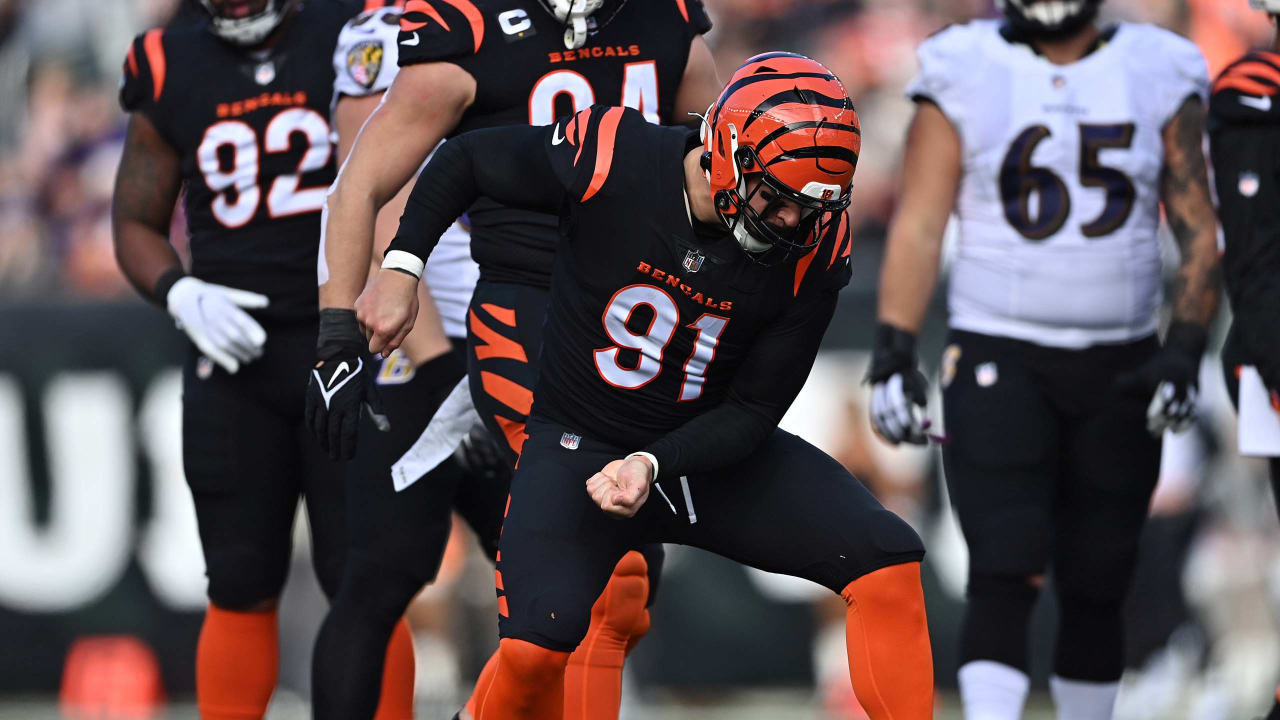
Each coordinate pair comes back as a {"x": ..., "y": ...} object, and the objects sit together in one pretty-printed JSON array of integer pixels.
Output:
[
  {"x": 329, "y": 569},
  {"x": 893, "y": 586},
  {"x": 1004, "y": 590},
  {"x": 531, "y": 666},
  {"x": 375, "y": 591},
  {"x": 245, "y": 580}
]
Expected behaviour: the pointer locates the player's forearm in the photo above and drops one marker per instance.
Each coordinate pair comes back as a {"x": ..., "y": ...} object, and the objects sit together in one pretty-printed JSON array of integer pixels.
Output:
[
  {"x": 146, "y": 258},
  {"x": 908, "y": 276},
  {"x": 1189, "y": 209},
  {"x": 346, "y": 246},
  {"x": 720, "y": 437}
]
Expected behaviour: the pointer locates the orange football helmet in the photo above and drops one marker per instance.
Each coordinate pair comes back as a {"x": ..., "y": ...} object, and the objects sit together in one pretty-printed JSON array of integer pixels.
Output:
[{"x": 786, "y": 120}]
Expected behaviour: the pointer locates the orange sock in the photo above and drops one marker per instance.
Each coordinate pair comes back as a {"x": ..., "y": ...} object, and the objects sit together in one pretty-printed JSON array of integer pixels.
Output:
[
  {"x": 593, "y": 678},
  {"x": 483, "y": 684},
  {"x": 237, "y": 660},
  {"x": 396, "y": 701},
  {"x": 887, "y": 635},
  {"x": 528, "y": 683}
]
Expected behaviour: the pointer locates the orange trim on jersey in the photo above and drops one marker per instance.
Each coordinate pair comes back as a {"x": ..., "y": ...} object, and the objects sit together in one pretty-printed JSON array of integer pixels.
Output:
[
  {"x": 509, "y": 393},
  {"x": 497, "y": 580},
  {"x": 683, "y": 9},
  {"x": 515, "y": 434},
  {"x": 1244, "y": 84},
  {"x": 425, "y": 8},
  {"x": 801, "y": 266},
  {"x": 503, "y": 610},
  {"x": 495, "y": 345},
  {"x": 505, "y": 511},
  {"x": 582, "y": 127},
  {"x": 469, "y": 11},
  {"x": 1245, "y": 77},
  {"x": 131, "y": 61},
  {"x": 841, "y": 229},
  {"x": 154, "y": 49},
  {"x": 605, "y": 136},
  {"x": 506, "y": 316}
]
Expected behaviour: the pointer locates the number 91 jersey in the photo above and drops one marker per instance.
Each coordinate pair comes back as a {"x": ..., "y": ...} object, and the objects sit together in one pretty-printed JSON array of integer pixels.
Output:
[
  {"x": 252, "y": 135},
  {"x": 1058, "y": 204},
  {"x": 634, "y": 56}
]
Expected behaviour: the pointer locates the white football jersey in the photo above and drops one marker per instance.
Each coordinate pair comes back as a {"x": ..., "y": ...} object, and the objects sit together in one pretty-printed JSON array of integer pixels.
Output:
[
  {"x": 365, "y": 62},
  {"x": 1058, "y": 204}
]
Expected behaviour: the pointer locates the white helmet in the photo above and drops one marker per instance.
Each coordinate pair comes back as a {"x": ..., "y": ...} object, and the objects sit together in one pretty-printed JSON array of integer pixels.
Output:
[
  {"x": 1271, "y": 6},
  {"x": 251, "y": 29}
]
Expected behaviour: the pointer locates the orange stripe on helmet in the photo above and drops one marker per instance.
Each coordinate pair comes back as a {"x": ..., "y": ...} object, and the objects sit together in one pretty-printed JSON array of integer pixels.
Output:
[
  {"x": 424, "y": 7},
  {"x": 506, "y": 316},
  {"x": 154, "y": 50},
  {"x": 495, "y": 344},
  {"x": 473, "y": 16},
  {"x": 512, "y": 394},
  {"x": 684, "y": 10},
  {"x": 515, "y": 434},
  {"x": 606, "y": 134}
]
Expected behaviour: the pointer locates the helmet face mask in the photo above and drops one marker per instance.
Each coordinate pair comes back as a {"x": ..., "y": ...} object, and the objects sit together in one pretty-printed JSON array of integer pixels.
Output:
[
  {"x": 1049, "y": 18},
  {"x": 245, "y": 22},
  {"x": 782, "y": 134},
  {"x": 1271, "y": 6},
  {"x": 575, "y": 15}
]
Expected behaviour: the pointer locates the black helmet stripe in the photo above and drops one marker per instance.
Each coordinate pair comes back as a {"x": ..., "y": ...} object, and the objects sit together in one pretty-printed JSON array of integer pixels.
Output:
[
  {"x": 796, "y": 95},
  {"x": 800, "y": 125},
  {"x": 752, "y": 79},
  {"x": 830, "y": 152}
]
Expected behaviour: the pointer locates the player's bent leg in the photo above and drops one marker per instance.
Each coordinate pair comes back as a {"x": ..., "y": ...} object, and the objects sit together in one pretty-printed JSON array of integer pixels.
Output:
[
  {"x": 790, "y": 508},
  {"x": 887, "y": 638},
  {"x": 994, "y": 662},
  {"x": 527, "y": 683},
  {"x": 593, "y": 678}
]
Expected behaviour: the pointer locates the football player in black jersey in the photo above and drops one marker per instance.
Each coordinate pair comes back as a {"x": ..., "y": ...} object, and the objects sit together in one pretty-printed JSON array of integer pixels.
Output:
[
  {"x": 233, "y": 111},
  {"x": 693, "y": 283},
  {"x": 467, "y": 65},
  {"x": 1244, "y": 118}
]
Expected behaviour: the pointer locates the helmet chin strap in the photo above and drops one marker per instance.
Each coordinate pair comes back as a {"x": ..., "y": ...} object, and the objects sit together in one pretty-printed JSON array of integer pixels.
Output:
[{"x": 574, "y": 14}]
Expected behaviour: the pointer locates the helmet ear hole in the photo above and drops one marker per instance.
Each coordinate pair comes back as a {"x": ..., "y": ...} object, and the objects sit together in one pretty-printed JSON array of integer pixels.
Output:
[{"x": 722, "y": 200}]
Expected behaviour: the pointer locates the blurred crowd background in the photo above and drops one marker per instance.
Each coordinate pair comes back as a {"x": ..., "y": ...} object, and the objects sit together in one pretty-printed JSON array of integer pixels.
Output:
[{"x": 1203, "y": 640}]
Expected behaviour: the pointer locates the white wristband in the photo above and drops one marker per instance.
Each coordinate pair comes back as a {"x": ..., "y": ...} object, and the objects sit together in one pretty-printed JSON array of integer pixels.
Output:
[
  {"x": 650, "y": 458},
  {"x": 401, "y": 260}
]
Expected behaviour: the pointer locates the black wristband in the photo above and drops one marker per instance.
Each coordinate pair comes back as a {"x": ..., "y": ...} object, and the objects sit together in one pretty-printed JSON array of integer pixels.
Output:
[
  {"x": 1187, "y": 337},
  {"x": 160, "y": 293},
  {"x": 339, "y": 334},
  {"x": 894, "y": 350}
]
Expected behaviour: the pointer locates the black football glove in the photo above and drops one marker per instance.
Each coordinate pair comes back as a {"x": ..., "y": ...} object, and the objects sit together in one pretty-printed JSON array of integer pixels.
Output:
[
  {"x": 898, "y": 392},
  {"x": 341, "y": 385},
  {"x": 480, "y": 456},
  {"x": 1172, "y": 378}
]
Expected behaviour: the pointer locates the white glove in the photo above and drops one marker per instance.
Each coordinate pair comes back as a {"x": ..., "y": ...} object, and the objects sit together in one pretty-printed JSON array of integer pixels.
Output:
[
  {"x": 897, "y": 408},
  {"x": 211, "y": 316}
]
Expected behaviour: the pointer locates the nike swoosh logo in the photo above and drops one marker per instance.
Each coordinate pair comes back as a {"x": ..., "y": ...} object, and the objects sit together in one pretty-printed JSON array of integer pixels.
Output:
[
  {"x": 1258, "y": 103},
  {"x": 415, "y": 38},
  {"x": 329, "y": 393},
  {"x": 557, "y": 137},
  {"x": 334, "y": 376}
]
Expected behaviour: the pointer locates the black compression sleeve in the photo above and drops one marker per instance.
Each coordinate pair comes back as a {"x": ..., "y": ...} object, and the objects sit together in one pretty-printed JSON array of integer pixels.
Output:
[
  {"x": 763, "y": 388},
  {"x": 507, "y": 164}
]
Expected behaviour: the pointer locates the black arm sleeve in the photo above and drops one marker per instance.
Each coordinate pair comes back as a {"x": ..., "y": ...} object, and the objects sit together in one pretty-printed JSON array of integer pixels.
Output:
[
  {"x": 763, "y": 388},
  {"x": 507, "y": 164},
  {"x": 1246, "y": 160}
]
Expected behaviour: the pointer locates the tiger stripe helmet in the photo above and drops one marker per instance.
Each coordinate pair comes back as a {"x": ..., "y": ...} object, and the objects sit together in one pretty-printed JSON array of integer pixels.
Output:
[{"x": 786, "y": 120}]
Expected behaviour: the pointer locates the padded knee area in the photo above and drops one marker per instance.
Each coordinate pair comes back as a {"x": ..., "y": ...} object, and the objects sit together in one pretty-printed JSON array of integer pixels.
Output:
[
  {"x": 530, "y": 665},
  {"x": 1090, "y": 639},
  {"x": 241, "y": 579},
  {"x": 374, "y": 591},
  {"x": 996, "y": 618},
  {"x": 528, "y": 683}
]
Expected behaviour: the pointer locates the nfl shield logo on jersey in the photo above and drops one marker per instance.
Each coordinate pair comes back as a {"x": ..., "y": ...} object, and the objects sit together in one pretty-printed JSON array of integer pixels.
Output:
[
  {"x": 265, "y": 73},
  {"x": 693, "y": 260},
  {"x": 1249, "y": 183},
  {"x": 569, "y": 441}
]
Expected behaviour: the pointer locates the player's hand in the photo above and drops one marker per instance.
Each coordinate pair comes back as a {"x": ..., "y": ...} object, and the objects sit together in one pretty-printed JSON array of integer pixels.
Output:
[
  {"x": 212, "y": 317},
  {"x": 386, "y": 310},
  {"x": 1171, "y": 376},
  {"x": 622, "y": 486},
  {"x": 898, "y": 388},
  {"x": 480, "y": 456},
  {"x": 341, "y": 386}
]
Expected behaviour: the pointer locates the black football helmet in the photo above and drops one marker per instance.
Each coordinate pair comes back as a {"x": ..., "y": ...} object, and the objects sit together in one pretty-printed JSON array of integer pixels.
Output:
[
  {"x": 581, "y": 17},
  {"x": 245, "y": 22},
  {"x": 1049, "y": 18}
]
